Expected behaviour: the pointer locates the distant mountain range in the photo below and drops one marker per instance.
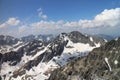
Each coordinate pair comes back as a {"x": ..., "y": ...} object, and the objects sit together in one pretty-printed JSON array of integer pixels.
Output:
[
  {"x": 36, "y": 57},
  {"x": 107, "y": 37}
]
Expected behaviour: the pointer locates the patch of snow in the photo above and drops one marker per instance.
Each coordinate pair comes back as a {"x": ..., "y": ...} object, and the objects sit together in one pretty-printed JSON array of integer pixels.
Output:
[
  {"x": 97, "y": 44},
  {"x": 116, "y": 39},
  {"x": 4, "y": 49},
  {"x": 40, "y": 77},
  {"x": 25, "y": 59},
  {"x": 16, "y": 49},
  {"x": 91, "y": 39},
  {"x": 48, "y": 38},
  {"x": 17, "y": 78},
  {"x": 105, "y": 40},
  {"x": 41, "y": 44},
  {"x": 114, "y": 48},
  {"x": 38, "y": 53},
  {"x": 106, "y": 60},
  {"x": 18, "y": 43},
  {"x": 66, "y": 38},
  {"x": 116, "y": 51},
  {"x": 111, "y": 51},
  {"x": 6, "y": 68},
  {"x": 77, "y": 47},
  {"x": 73, "y": 50},
  {"x": 40, "y": 39},
  {"x": 18, "y": 46},
  {"x": 115, "y": 62}
]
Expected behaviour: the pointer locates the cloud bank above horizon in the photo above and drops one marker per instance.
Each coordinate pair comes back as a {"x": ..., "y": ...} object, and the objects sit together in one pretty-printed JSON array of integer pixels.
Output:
[{"x": 106, "y": 22}]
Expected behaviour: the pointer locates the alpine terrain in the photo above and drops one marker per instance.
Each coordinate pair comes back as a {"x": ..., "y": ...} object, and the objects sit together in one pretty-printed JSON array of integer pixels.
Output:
[{"x": 36, "y": 57}]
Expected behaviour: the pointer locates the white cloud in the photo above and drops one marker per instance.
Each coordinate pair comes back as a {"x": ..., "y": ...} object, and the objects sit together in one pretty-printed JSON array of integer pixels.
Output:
[
  {"x": 108, "y": 19},
  {"x": 41, "y": 15},
  {"x": 13, "y": 21},
  {"x": 3, "y": 25},
  {"x": 107, "y": 22},
  {"x": 10, "y": 22}
]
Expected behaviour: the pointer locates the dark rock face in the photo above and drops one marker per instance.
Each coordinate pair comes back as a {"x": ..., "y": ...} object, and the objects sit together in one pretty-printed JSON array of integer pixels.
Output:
[
  {"x": 1, "y": 56},
  {"x": 0, "y": 78},
  {"x": 76, "y": 37},
  {"x": 95, "y": 66},
  {"x": 13, "y": 57}
]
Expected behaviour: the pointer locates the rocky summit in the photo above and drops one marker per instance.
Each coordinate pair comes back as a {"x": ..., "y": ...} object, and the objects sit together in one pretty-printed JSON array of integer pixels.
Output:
[{"x": 102, "y": 63}]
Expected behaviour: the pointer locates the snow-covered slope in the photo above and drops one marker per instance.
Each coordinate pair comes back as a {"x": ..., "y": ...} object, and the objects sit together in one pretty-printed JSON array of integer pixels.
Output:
[{"x": 38, "y": 59}]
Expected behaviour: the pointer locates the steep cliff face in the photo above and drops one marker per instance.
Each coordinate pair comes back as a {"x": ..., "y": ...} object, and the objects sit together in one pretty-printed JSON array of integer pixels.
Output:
[{"x": 102, "y": 63}]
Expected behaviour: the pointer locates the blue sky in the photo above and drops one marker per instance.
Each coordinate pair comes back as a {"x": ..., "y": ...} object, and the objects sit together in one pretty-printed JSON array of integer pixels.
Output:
[
  {"x": 56, "y": 9},
  {"x": 44, "y": 12}
]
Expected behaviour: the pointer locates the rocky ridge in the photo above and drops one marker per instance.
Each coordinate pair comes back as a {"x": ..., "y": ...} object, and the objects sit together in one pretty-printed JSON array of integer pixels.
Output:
[{"x": 102, "y": 63}]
